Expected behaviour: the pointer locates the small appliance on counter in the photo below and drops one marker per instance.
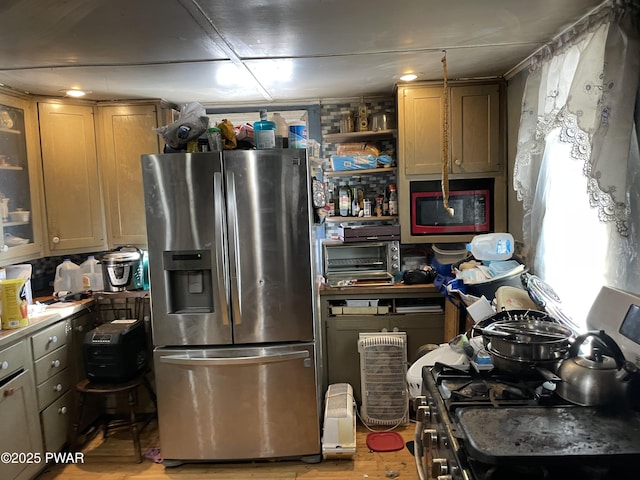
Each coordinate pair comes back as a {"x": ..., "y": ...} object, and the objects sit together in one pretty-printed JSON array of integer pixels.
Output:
[
  {"x": 115, "y": 351},
  {"x": 363, "y": 263},
  {"x": 123, "y": 269}
]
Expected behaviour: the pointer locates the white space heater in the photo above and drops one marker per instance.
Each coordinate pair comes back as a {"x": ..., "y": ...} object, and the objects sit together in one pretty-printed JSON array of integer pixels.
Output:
[
  {"x": 339, "y": 435},
  {"x": 383, "y": 370}
]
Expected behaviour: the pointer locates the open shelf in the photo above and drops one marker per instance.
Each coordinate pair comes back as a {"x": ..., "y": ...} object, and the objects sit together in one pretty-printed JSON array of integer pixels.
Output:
[
  {"x": 360, "y": 219},
  {"x": 355, "y": 173},
  {"x": 360, "y": 136}
]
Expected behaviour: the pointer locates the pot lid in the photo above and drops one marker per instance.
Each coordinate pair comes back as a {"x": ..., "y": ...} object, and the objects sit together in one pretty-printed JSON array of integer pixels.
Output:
[
  {"x": 601, "y": 362},
  {"x": 121, "y": 256}
]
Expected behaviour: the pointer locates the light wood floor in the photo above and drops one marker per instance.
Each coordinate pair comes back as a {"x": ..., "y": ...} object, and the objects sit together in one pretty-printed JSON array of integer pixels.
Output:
[{"x": 112, "y": 459}]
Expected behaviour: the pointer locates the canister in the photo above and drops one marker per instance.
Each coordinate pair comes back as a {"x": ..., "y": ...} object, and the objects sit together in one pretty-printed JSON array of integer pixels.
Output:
[
  {"x": 347, "y": 123},
  {"x": 298, "y": 135},
  {"x": 13, "y": 303}
]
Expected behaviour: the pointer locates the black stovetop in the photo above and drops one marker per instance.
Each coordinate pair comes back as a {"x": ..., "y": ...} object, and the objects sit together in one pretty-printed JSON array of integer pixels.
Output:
[{"x": 519, "y": 428}]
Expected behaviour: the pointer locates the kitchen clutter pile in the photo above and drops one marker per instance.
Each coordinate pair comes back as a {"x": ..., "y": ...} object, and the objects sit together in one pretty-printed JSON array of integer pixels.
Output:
[
  {"x": 517, "y": 326},
  {"x": 192, "y": 133}
]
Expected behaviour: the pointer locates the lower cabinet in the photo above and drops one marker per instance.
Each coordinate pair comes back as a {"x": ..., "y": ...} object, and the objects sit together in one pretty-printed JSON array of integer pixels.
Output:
[
  {"x": 50, "y": 350},
  {"x": 341, "y": 332},
  {"x": 18, "y": 414},
  {"x": 56, "y": 421},
  {"x": 38, "y": 402}
]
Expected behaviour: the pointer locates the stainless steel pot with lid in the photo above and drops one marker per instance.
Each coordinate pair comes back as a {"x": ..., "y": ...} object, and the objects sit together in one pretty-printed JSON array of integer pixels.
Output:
[
  {"x": 525, "y": 342},
  {"x": 122, "y": 269},
  {"x": 528, "y": 340}
]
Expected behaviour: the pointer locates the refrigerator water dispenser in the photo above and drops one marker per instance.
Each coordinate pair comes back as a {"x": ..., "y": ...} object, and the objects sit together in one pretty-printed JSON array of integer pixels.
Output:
[{"x": 188, "y": 281}]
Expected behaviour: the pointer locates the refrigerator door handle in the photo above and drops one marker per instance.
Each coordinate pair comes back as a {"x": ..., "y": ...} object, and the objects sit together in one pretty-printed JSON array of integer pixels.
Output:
[
  {"x": 236, "y": 288},
  {"x": 208, "y": 361},
  {"x": 220, "y": 246}
]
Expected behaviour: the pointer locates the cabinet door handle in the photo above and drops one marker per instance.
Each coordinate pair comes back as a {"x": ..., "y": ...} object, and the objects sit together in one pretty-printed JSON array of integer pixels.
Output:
[
  {"x": 53, "y": 339},
  {"x": 57, "y": 388},
  {"x": 457, "y": 161},
  {"x": 62, "y": 410},
  {"x": 4, "y": 365},
  {"x": 55, "y": 240},
  {"x": 8, "y": 392},
  {"x": 55, "y": 363}
]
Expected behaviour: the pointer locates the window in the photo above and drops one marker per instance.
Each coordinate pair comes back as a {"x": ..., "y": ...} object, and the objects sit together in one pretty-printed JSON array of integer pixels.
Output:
[{"x": 577, "y": 167}]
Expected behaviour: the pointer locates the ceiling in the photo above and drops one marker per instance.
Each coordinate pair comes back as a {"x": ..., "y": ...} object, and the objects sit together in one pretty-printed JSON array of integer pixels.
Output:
[{"x": 229, "y": 52}]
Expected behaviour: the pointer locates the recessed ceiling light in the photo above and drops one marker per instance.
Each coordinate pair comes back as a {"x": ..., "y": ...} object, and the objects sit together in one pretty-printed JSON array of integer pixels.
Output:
[
  {"x": 408, "y": 77},
  {"x": 75, "y": 93}
]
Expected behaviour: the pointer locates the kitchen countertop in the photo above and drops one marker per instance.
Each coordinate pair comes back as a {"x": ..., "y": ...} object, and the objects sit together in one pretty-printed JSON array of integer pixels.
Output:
[{"x": 52, "y": 313}]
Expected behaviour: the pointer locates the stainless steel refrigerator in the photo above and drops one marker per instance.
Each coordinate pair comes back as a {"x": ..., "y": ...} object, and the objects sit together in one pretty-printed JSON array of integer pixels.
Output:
[{"x": 232, "y": 299}]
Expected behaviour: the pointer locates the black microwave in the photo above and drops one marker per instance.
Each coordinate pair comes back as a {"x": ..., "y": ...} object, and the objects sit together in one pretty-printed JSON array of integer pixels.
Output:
[{"x": 471, "y": 201}]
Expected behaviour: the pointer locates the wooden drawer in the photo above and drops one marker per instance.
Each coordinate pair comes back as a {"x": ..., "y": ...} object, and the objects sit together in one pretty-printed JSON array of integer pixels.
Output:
[
  {"x": 50, "y": 339},
  {"x": 51, "y": 364},
  {"x": 56, "y": 423},
  {"x": 12, "y": 359},
  {"x": 53, "y": 388}
]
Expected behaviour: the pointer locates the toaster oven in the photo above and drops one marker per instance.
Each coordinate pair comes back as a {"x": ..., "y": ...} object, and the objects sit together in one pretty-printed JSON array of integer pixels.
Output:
[{"x": 364, "y": 263}]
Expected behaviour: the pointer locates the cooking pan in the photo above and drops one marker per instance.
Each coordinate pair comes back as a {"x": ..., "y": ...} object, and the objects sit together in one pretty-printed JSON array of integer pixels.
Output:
[
  {"x": 528, "y": 340},
  {"x": 526, "y": 368}
]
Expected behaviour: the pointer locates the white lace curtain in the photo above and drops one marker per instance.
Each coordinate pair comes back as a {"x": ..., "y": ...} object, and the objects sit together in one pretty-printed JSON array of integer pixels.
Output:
[{"x": 581, "y": 104}]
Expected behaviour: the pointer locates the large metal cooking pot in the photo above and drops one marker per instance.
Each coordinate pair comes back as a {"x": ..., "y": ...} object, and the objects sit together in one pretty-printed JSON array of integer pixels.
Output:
[
  {"x": 525, "y": 368},
  {"x": 528, "y": 340},
  {"x": 599, "y": 378}
]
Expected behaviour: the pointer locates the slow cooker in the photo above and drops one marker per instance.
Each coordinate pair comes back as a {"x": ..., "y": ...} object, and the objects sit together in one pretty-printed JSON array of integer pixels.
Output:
[{"x": 123, "y": 270}]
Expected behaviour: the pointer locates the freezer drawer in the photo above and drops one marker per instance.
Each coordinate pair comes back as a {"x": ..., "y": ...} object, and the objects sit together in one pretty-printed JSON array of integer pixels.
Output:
[{"x": 237, "y": 403}]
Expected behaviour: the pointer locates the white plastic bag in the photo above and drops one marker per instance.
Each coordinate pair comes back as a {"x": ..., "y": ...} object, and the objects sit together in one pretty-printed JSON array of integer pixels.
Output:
[{"x": 191, "y": 123}]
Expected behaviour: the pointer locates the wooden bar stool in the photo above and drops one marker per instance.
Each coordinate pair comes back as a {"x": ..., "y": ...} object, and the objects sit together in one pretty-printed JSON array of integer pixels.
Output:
[{"x": 133, "y": 421}]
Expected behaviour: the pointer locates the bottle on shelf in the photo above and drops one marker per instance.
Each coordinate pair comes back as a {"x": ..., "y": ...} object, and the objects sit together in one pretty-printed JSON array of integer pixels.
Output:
[
  {"x": 378, "y": 208},
  {"x": 359, "y": 193},
  {"x": 367, "y": 208},
  {"x": 385, "y": 203},
  {"x": 331, "y": 207},
  {"x": 345, "y": 199},
  {"x": 282, "y": 130},
  {"x": 265, "y": 132},
  {"x": 355, "y": 206},
  {"x": 393, "y": 200}
]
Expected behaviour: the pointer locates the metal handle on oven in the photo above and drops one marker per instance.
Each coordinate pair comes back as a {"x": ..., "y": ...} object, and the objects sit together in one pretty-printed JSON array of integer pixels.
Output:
[
  {"x": 219, "y": 246},
  {"x": 419, "y": 450},
  {"x": 207, "y": 361}
]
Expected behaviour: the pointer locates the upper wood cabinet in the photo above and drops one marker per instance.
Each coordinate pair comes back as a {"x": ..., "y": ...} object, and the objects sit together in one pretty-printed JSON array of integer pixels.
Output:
[
  {"x": 126, "y": 133},
  {"x": 92, "y": 174},
  {"x": 71, "y": 180},
  {"x": 20, "y": 184},
  {"x": 420, "y": 114},
  {"x": 474, "y": 129}
]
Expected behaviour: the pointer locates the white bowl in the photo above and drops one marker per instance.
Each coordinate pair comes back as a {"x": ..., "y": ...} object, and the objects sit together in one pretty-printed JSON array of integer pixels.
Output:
[{"x": 19, "y": 216}]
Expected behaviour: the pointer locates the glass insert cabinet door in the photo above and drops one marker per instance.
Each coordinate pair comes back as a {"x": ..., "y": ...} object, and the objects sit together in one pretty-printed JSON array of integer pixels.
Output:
[{"x": 16, "y": 224}]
